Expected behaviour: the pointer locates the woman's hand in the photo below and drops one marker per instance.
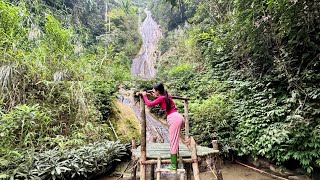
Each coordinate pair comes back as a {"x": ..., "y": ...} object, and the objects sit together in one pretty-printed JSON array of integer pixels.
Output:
[
  {"x": 155, "y": 96},
  {"x": 144, "y": 93}
]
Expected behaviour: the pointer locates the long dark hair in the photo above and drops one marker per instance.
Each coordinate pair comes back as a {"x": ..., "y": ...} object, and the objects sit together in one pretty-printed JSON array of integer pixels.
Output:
[{"x": 159, "y": 87}]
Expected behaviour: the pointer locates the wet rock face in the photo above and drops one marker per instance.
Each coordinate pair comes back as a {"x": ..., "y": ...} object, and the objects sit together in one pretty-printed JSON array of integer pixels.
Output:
[{"x": 143, "y": 65}]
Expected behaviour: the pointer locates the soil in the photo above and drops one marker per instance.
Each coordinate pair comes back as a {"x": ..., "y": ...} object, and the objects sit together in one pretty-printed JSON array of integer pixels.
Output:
[{"x": 229, "y": 172}]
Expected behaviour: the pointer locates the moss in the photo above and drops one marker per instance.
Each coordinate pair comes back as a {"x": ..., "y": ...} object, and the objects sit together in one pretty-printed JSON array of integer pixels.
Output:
[{"x": 126, "y": 123}]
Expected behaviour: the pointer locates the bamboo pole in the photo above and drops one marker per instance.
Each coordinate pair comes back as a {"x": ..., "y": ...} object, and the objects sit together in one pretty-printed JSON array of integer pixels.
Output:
[
  {"x": 154, "y": 139},
  {"x": 152, "y": 172},
  {"x": 186, "y": 119},
  {"x": 134, "y": 170},
  {"x": 114, "y": 131},
  {"x": 181, "y": 98},
  {"x": 134, "y": 144},
  {"x": 217, "y": 168},
  {"x": 167, "y": 161},
  {"x": 143, "y": 157},
  {"x": 260, "y": 171},
  {"x": 173, "y": 97},
  {"x": 159, "y": 136},
  {"x": 194, "y": 157},
  {"x": 159, "y": 167},
  {"x": 181, "y": 167}
]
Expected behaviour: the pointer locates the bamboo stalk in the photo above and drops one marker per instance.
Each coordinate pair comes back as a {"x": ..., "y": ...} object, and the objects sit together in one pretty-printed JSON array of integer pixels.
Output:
[
  {"x": 143, "y": 157},
  {"x": 134, "y": 144},
  {"x": 113, "y": 129},
  {"x": 159, "y": 135},
  {"x": 158, "y": 167},
  {"x": 173, "y": 97},
  {"x": 186, "y": 119},
  {"x": 181, "y": 167},
  {"x": 260, "y": 171},
  {"x": 195, "y": 165},
  {"x": 181, "y": 98},
  {"x": 217, "y": 166},
  {"x": 166, "y": 161},
  {"x": 134, "y": 169},
  {"x": 212, "y": 170}
]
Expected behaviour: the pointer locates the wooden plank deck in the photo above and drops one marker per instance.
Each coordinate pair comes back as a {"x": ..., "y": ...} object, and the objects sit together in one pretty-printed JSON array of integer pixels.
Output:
[{"x": 163, "y": 149}]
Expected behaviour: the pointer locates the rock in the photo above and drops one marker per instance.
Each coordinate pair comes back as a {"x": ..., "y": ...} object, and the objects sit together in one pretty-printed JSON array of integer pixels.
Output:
[
  {"x": 287, "y": 172},
  {"x": 256, "y": 163},
  {"x": 293, "y": 177},
  {"x": 264, "y": 163},
  {"x": 300, "y": 171},
  {"x": 273, "y": 169},
  {"x": 302, "y": 177}
]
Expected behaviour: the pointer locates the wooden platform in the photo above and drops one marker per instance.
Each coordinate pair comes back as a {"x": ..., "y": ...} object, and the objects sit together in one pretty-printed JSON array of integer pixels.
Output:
[{"x": 163, "y": 149}]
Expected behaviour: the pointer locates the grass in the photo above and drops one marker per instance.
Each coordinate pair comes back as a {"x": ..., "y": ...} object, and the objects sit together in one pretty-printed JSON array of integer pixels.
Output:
[{"x": 126, "y": 123}]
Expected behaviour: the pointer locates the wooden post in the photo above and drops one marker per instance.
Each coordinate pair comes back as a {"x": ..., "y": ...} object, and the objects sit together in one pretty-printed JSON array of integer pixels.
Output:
[
  {"x": 158, "y": 168},
  {"x": 154, "y": 139},
  {"x": 216, "y": 163},
  {"x": 194, "y": 157},
  {"x": 143, "y": 157},
  {"x": 134, "y": 170},
  {"x": 186, "y": 119},
  {"x": 215, "y": 144},
  {"x": 181, "y": 167},
  {"x": 134, "y": 144}
]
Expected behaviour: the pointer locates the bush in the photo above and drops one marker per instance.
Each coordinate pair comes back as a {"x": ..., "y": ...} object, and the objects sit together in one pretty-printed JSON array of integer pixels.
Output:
[
  {"x": 84, "y": 162},
  {"x": 211, "y": 119},
  {"x": 24, "y": 126}
]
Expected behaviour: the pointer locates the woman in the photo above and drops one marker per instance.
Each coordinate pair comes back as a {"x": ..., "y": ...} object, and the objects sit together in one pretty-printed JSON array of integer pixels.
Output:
[{"x": 174, "y": 119}]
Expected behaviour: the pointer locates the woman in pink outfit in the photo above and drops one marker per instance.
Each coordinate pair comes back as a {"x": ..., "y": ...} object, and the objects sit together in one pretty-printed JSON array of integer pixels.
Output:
[{"x": 174, "y": 119}]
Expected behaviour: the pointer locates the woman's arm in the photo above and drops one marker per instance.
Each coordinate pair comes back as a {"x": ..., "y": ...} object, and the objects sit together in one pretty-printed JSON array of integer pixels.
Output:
[{"x": 152, "y": 103}]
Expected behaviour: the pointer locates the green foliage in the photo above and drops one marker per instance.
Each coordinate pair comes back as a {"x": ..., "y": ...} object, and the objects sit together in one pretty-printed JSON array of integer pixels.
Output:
[
  {"x": 103, "y": 99},
  {"x": 23, "y": 126},
  {"x": 57, "y": 82},
  {"x": 68, "y": 115},
  {"x": 11, "y": 25},
  {"x": 172, "y": 15},
  {"x": 123, "y": 28},
  {"x": 48, "y": 45},
  {"x": 84, "y": 162},
  {"x": 211, "y": 120},
  {"x": 264, "y": 58},
  {"x": 57, "y": 37},
  {"x": 181, "y": 70}
]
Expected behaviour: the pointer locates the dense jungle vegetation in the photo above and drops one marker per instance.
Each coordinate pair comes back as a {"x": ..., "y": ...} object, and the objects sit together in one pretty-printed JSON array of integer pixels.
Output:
[
  {"x": 252, "y": 70},
  {"x": 60, "y": 62}
]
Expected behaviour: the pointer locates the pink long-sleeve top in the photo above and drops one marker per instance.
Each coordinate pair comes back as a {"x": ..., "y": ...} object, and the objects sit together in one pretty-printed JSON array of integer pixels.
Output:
[{"x": 161, "y": 100}]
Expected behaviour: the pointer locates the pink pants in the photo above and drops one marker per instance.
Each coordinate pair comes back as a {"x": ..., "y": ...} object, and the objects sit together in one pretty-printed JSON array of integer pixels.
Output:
[{"x": 176, "y": 122}]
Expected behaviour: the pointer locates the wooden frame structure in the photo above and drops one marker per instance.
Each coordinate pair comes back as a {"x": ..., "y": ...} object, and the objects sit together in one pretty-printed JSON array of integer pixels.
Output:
[{"x": 158, "y": 161}]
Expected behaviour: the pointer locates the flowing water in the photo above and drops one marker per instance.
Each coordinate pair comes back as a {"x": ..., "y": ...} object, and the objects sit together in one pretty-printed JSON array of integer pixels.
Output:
[{"x": 143, "y": 64}]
